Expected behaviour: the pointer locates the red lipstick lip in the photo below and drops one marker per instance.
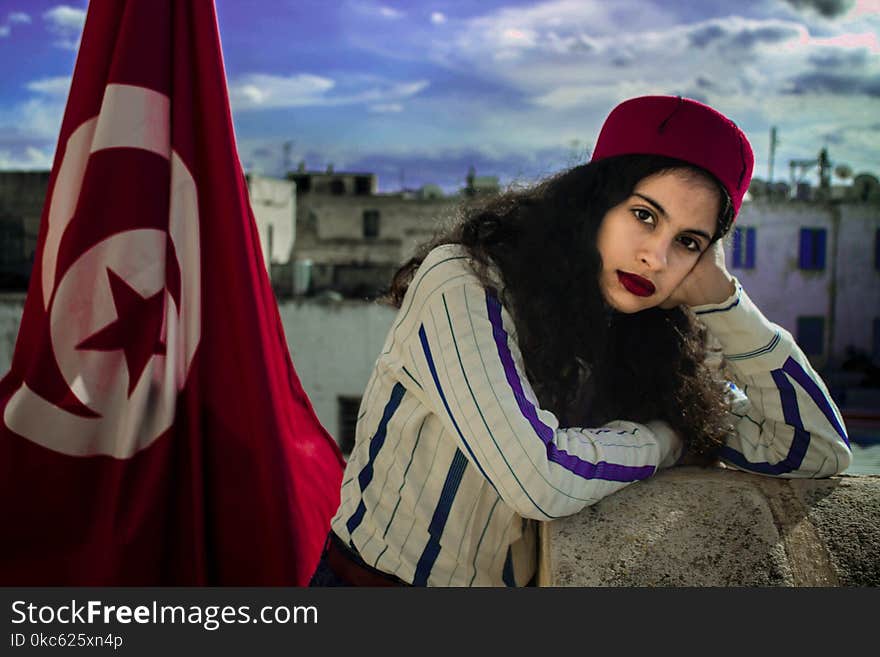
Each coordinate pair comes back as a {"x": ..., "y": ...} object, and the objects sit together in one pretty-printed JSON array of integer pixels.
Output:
[{"x": 635, "y": 284}]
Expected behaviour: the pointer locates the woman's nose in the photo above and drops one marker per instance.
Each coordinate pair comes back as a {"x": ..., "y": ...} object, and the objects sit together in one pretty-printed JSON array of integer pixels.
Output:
[{"x": 653, "y": 253}]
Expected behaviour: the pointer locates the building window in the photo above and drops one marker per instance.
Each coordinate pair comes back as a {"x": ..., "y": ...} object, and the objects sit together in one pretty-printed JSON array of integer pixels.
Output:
[
  {"x": 15, "y": 265},
  {"x": 11, "y": 240},
  {"x": 270, "y": 230},
  {"x": 744, "y": 247},
  {"x": 303, "y": 182},
  {"x": 811, "y": 335},
  {"x": 362, "y": 186},
  {"x": 371, "y": 223},
  {"x": 348, "y": 415},
  {"x": 337, "y": 187},
  {"x": 812, "y": 249}
]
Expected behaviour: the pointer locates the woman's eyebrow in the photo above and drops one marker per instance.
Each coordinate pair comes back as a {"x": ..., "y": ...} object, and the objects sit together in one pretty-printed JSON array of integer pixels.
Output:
[
  {"x": 700, "y": 233},
  {"x": 652, "y": 202}
]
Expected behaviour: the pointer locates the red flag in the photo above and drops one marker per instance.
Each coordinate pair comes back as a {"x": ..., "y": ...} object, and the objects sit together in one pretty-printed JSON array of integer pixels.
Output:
[{"x": 154, "y": 430}]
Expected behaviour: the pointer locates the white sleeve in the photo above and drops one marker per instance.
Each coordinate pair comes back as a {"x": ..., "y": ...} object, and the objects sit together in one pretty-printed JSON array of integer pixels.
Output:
[
  {"x": 787, "y": 423},
  {"x": 466, "y": 361}
]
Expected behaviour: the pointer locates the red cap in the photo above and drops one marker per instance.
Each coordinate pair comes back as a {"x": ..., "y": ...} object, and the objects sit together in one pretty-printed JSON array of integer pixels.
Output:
[{"x": 684, "y": 129}]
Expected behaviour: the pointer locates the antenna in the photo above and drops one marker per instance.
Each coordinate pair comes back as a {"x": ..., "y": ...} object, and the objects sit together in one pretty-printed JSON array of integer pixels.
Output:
[
  {"x": 773, "y": 142},
  {"x": 288, "y": 146}
]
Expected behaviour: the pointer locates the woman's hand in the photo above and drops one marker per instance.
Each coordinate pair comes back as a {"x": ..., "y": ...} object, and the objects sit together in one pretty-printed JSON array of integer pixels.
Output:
[{"x": 708, "y": 282}]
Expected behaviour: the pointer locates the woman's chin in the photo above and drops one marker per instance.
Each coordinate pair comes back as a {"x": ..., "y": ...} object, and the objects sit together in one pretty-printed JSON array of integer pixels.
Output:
[{"x": 627, "y": 303}]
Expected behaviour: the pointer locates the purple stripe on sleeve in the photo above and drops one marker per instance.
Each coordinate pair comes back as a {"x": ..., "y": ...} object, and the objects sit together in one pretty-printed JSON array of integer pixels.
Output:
[
  {"x": 800, "y": 441},
  {"x": 796, "y": 372},
  {"x": 585, "y": 469}
]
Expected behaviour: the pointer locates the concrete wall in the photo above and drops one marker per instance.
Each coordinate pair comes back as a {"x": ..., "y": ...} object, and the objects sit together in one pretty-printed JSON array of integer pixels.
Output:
[
  {"x": 858, "y": 279},
  {"x": 22, "y": 195},
  {"x": 716, "y": 527},
  {"x": 334, "y": 346},
  {"x": 330, "y": 228},
  {"x": 11, "y": 307}
]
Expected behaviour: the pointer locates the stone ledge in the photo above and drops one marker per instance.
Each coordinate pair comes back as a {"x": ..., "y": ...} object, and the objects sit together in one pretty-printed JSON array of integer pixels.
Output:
[{"x": 690, "y": 526}]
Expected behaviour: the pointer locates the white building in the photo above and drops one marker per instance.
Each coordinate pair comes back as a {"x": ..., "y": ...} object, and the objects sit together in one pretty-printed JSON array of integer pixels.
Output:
[
  {"x": 273, "y": 201},
  {"x": 353, "y": 238},
  {"x": 813, "y": 268}
]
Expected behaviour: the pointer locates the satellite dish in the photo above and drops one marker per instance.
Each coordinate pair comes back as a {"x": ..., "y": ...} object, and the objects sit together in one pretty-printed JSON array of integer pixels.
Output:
[
  {"x": 866, "y": 187},
  {"x": 843, "y": 171}
]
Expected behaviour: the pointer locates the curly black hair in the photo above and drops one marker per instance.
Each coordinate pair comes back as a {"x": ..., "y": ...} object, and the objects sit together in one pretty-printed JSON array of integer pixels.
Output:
[{"x": 588, "y": 363}]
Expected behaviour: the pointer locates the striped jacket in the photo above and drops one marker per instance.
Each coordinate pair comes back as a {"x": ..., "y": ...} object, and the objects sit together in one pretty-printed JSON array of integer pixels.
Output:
[{"x": 454, "y": 458}]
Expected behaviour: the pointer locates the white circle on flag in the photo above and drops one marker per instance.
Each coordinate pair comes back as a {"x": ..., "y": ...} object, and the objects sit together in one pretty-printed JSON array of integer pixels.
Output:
[
  {"x": 84, "y": 305},
  {"x": 129, "y": 419}
]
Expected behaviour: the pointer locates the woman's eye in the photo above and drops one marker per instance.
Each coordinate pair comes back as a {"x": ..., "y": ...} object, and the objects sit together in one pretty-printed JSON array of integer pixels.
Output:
[
  {"x": 689, "y": 243},
  {"x": 644, "y": 216}
]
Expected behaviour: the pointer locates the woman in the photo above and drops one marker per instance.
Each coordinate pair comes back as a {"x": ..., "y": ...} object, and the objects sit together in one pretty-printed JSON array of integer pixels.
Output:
[{"x": 552, "y": 349}]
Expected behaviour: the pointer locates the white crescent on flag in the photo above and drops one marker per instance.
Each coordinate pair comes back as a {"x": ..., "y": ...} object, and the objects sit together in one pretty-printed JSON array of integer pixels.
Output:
[{"x": 135, "y": 407}]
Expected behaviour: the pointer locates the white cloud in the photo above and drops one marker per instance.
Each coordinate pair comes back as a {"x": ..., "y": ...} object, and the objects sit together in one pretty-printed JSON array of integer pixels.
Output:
[
  {"x": 374, "y": 10},
  {"x": 387, "y": 108},
  {"x": 30, "y": 159},
  {"x": 15, "y": 17},
  {"x": 36, "y": 120},
  {"x": 65, "y": 17},
  {"x": 407, "y": 89},
  {"x": 865, "y": 8},
  {"x": 58, "y": 86},
  {"x": 40, "y": 118},
  {"x": 66, "y": 23},
  {"x": 561, "y": 65},
  {"x": 66, "y": 44},
  {"x": 438, "y": 18},
  {"x": 849, "y": 41},
  {"x": 576, "y": 63},
  {"x": 390, "y": 12},
  {"x": 264, "y": 91},
  {"x": 559, "y": 18},
  {"x": 260, "y": 90}
]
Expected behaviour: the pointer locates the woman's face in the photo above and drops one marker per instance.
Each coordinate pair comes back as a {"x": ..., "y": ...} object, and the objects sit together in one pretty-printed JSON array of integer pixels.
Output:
[{"x": 652, "y": 240}]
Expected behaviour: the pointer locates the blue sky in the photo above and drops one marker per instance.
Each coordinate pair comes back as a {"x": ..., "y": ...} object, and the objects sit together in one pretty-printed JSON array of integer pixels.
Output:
[{"x": 419, "y": 91}]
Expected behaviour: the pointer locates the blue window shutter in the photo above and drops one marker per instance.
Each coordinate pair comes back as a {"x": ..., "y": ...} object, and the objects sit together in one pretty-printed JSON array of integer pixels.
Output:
[
  {"x": 819, "y": 254},
  {"x": 813, "y": 243},
  {"x": 737, "y": 247},
  {"x": 805, "y": 254},
  {"x": 750, "y": 248}
]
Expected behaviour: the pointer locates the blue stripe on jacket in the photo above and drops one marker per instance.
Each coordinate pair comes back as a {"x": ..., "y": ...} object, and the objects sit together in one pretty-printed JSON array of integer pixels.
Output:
[
  {"x": 438, "y": 520},
  {"x": 376, "y": 442},
  {"x": 601, "y": 470},
  {"x": 796, "y": 372}
]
